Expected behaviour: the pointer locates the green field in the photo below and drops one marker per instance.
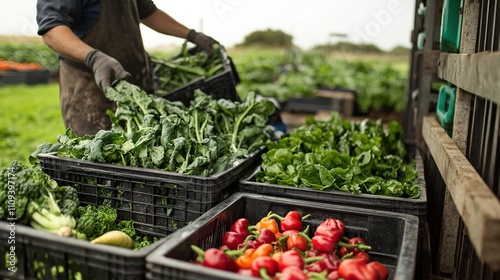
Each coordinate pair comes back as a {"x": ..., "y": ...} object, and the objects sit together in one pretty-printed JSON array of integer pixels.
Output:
[{"x": 29, "y": 116}]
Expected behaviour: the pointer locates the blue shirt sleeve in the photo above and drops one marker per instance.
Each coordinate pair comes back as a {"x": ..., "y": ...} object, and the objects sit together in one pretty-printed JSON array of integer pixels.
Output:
[{"x": 79, "y": 16}]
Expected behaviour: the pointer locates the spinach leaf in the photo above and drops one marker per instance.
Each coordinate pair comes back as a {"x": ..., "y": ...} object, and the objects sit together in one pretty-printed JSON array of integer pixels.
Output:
[{"x": 336, "y": 154}]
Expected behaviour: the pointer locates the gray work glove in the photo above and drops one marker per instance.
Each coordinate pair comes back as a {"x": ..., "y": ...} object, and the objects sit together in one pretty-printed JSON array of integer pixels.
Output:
[
  {"x": 106, "y": 69},
  {"x": 201, "y": 40}
]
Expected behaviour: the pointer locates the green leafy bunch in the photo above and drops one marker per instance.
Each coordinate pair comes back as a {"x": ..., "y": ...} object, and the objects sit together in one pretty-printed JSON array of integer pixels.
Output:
[
  {"x": 148, "y": 131},
  {"x": 33, "y": 198},
  {"x": 336, "y": 154}
]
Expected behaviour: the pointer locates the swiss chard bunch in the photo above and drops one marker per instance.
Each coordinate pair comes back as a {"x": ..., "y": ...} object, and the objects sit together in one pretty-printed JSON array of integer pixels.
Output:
[
  {"x": 244, "y": 125},
  {"x": 336, "y": 154},
  {"x": 151, "y": 132},
  {"x": 189, "y": 65}
]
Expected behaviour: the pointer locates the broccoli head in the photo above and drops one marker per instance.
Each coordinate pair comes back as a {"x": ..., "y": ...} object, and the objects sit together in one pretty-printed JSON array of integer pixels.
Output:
[{"x": 67, "y": 199}]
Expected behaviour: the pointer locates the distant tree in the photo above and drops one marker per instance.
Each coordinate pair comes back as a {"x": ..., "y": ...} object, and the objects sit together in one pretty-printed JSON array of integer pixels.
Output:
[
  {"x": 400, "y": 50},
  {"x": 344, "y": 46},
  {"x": 269, "y": 37}
]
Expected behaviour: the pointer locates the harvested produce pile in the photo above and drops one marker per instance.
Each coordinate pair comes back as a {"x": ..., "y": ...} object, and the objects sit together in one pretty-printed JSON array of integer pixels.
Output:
[
  {"x": 18, "y": 66},
  {"x": 185, "y": 68},
  {"x": 33, "y": 198},
  {"x": 151, "y": 132},
  {"x": 282, "y": 248},
  {"x": 36, "y": 53},
  {"x": 337, "y": 154}
]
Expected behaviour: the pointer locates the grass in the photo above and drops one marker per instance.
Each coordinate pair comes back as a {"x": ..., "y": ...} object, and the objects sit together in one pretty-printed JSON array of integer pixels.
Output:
[{"x": 29, "y": 116}]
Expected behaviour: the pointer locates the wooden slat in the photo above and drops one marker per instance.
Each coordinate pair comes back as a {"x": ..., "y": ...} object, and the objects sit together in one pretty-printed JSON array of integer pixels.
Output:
[
  {"x": 431, "y": 60},
  {"x": 475, "y": 202},
  {"x": 477, "y": 73},
  {"x": 470, "y": 27},
  {"x": 450, "y": 222}
]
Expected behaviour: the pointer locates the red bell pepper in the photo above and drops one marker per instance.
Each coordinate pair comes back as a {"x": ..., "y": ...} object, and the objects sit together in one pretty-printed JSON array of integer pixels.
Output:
[
  {"x": 215, "y": 258},
  {"x": 240, "y": 226},
  {"x": 264, "y": 267},
  {"x": 318, "y": 267},
  {"x": 362, "y": 256},
  {"x": 291, "y": 221},
  {"x": 335, "y": 223},
  {"x": 381, "y": 269},
  {"x": 297, "y": 241},
  {"x": 331, "y": 261},
  {"x": 334, "y": 275},
  {"x": 293, "y": 273},
  {"x": 288, "y": 258},
  {"x": 265, "y": 235},
  {"x": 289, "y": 232},
  {"x": 252, "y": 244},
  {"x": 323, "y": 244},
  {"x": 354, "y": 269},
  {"x": 334, "y": 233},
  {"x": 232, "y": 240}
]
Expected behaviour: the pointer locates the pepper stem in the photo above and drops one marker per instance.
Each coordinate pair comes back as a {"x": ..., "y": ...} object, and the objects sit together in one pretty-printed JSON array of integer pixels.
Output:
[
  {"x": 317, "y": 275},
  {"x": 313, "y": 259},
  {"x": 239, "y": 252},
  {"x": 359, "y": 245},
  {"x": 263, "y": 274},
  {"x": 347, "y": 256},
  {"x": 274, "y": 215},
  {"x": 306, "y": 230},
  {"x": 303, "y": 234},
  {"x": 199, "y": 252}
]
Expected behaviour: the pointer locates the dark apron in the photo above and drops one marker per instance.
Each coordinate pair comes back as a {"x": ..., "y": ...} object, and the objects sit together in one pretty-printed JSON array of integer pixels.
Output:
[{"x": 116, "y": 33}]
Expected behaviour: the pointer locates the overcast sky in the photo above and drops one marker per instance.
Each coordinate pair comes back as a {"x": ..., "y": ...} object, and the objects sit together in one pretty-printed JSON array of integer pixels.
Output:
[{"x": 385, "y": 23}]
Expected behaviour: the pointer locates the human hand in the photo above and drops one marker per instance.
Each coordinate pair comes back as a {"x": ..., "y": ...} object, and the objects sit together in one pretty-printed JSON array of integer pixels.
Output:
[
  {"x": 203, "y": 41},
  {"x": 106, "y": 69}
]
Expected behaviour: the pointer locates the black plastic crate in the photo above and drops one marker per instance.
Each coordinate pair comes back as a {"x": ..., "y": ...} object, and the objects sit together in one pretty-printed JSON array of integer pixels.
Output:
[
  {"x": 185, "y": 93},
  {"x": 43, "y": 255},
  {"x": 159, "y": 201},
  {"x": 416, "y": 207},
  {"x": 28, "y": 77},
  {"x": 219, "y": 86},
  {"x": 393, "y": 236},
  {"x": 312, "y": 104},
  {"x": 223, "y": 85}
]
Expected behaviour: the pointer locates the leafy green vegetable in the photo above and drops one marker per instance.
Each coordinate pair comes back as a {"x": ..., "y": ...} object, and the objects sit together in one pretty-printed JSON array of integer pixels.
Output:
[
  {"x": 151, "y": 132},
  {"x": 139, "y": 241},
  {"x": 32, "y": 197},
  {"x": 38, "y": 200},
  {"x": 67, "y": 198},
  {"x": 185, "y": 68},
  {"x": 337, "y": 154},
  {"x": 94, "y": 221}
]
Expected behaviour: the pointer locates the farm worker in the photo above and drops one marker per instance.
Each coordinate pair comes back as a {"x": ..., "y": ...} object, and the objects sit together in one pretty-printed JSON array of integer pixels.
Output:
[{"x": 99, "y": 42}]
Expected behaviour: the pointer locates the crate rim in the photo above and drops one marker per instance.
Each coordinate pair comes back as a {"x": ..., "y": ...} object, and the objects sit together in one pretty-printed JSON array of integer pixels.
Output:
[
  {"x": 422, "y": 199},
  {"x": 25, "y": 231},
  {"x": 146, "y": 173},
  {"x": 156, "y": 257}
]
